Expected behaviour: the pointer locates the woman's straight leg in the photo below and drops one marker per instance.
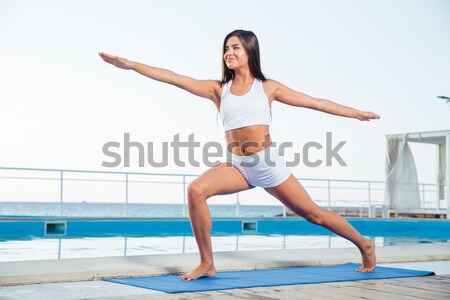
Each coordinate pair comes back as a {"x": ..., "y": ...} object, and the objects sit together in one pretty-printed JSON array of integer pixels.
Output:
[{"x": 292, "y": 194}]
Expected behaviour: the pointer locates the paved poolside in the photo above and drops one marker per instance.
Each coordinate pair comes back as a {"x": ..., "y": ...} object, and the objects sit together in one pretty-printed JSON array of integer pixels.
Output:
[
  {"x": 72, "y": 279},
  {"x": 430, "y": 287}
]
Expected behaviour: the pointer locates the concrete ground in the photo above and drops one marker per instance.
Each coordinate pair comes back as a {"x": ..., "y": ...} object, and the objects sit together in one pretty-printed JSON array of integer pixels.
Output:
[{"x": 74, "y": 279}]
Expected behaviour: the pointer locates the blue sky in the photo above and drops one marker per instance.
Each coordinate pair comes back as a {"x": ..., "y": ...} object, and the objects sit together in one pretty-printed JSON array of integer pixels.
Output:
[{"x": 60, "y": 103}]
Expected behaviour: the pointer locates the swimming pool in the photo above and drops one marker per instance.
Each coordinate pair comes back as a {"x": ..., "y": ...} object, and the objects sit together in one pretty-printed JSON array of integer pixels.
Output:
[{"x": 47, "y": 238}]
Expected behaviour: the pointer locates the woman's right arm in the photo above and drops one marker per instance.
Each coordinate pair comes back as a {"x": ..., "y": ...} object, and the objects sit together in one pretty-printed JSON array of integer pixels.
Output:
[{"x": 203, "y": 88}]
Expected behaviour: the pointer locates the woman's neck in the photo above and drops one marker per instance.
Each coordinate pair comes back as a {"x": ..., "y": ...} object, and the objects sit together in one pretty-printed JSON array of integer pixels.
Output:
[{"x": 242, "y": 77}]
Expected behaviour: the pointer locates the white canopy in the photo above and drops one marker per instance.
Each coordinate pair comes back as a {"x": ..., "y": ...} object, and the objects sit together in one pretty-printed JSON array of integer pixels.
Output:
[{"x": 402, "y": 188}]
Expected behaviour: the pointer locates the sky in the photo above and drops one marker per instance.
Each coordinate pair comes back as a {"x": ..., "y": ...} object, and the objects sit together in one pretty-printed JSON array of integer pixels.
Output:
[{"x": 60, "y": 103}]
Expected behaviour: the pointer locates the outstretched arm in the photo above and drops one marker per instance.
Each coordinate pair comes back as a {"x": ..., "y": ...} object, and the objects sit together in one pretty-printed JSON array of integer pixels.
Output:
[
  {"x": 288, "y": 96},
  {"x": 202, "y": 88}
]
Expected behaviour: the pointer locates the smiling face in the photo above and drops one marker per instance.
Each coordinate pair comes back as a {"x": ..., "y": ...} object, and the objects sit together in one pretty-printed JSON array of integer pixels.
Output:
[
  {"x": 235, "y": 55},
  {"x": 240, "y": 51}
]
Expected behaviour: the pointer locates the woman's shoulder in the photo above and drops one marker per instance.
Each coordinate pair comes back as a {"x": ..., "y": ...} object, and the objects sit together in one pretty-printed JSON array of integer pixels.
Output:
[
  {"x": 270, "y": 86},
  {"x": 270, "y": 83}
]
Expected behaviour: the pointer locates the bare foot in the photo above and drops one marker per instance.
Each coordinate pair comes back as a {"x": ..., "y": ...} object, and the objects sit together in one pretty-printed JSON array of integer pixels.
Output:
[
  {"x": 203, "y": 270},
  {"x": 369, "y": 261}
]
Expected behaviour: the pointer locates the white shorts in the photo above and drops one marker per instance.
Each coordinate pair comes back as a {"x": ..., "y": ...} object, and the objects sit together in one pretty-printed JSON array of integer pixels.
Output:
[{"x": 264, "y": 169}]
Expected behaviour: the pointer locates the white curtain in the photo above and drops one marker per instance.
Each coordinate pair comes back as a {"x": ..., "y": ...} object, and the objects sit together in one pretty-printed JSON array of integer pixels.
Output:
[{"x": 402, "y": 188}]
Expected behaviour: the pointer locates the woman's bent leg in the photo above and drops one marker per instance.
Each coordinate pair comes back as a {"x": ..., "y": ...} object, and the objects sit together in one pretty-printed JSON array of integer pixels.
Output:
[
  {"x": 219, "y": 180},
  {"x": 292, "y": 194}
]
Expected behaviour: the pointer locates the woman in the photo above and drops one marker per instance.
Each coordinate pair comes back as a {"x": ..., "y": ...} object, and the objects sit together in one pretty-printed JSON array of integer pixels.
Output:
[{"x": 243, "y": 98}]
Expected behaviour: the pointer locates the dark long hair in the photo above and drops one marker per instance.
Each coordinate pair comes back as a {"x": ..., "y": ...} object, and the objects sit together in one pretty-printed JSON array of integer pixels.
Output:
[{"x": 251, "y": 46}]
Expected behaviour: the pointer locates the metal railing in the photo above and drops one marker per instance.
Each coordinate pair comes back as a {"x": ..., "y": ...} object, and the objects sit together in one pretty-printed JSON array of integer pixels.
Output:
[{"x": 351, "y": 197}]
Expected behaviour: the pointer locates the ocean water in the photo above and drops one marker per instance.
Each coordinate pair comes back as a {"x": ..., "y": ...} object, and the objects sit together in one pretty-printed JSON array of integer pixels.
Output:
[{"x": 134, "y": 210}]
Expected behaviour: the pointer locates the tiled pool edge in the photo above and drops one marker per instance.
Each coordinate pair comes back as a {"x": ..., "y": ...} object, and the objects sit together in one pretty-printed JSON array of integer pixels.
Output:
[
  {"x": 64, "y": 227},
  {"x": 86, "y": 269}
]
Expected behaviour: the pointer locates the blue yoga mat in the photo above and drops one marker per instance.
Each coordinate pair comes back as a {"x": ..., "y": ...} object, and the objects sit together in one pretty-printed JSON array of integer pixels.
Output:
[{"x": 271, "y": 277}]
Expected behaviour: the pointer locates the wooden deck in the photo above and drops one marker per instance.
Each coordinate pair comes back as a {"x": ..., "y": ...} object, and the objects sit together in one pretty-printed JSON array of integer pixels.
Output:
[{"x": 429, "y": 287}]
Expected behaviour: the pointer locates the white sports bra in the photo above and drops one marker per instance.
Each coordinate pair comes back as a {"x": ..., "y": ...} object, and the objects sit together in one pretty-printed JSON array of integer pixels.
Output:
[{"x": 253, "y": 108}]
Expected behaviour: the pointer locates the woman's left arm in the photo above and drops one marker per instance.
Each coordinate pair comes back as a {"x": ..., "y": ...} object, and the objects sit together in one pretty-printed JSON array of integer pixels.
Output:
[{"x": 289, "y": 96}]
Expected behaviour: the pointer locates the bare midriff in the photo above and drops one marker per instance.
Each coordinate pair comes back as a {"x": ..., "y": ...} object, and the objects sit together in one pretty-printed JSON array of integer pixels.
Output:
[{"x": 248, "y": 140}]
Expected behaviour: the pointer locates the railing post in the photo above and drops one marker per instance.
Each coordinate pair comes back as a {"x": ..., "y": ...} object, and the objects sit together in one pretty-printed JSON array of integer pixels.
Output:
[
  {"x": 238, "y": 204},
  {"x": 329, "y": 195},
  {"x": 126, "y": 195},
  {"x": 438, "y": 201},
  {"x": 184, "y": 195},
  {"x": 437, "y": 189},
  {"x": 369, "y": 207},
  {"x": 61, "y": 187},
  {"x": 423, "y": 196}
]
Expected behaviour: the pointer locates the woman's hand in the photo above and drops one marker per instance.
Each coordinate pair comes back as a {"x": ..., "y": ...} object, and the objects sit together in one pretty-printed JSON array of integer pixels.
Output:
[
  {"x": 116, "y": 61},
  {"x": 366, "y": 116}
]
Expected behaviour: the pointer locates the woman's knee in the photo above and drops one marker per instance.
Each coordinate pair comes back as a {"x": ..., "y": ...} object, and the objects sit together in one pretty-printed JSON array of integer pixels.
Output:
[{"x": 195, "y": 193}]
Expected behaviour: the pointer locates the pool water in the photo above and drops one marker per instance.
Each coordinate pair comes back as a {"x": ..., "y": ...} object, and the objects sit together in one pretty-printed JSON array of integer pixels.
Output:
[
  {"x": 52, "y": 248},
  {"x": 59, "y": 238}
]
